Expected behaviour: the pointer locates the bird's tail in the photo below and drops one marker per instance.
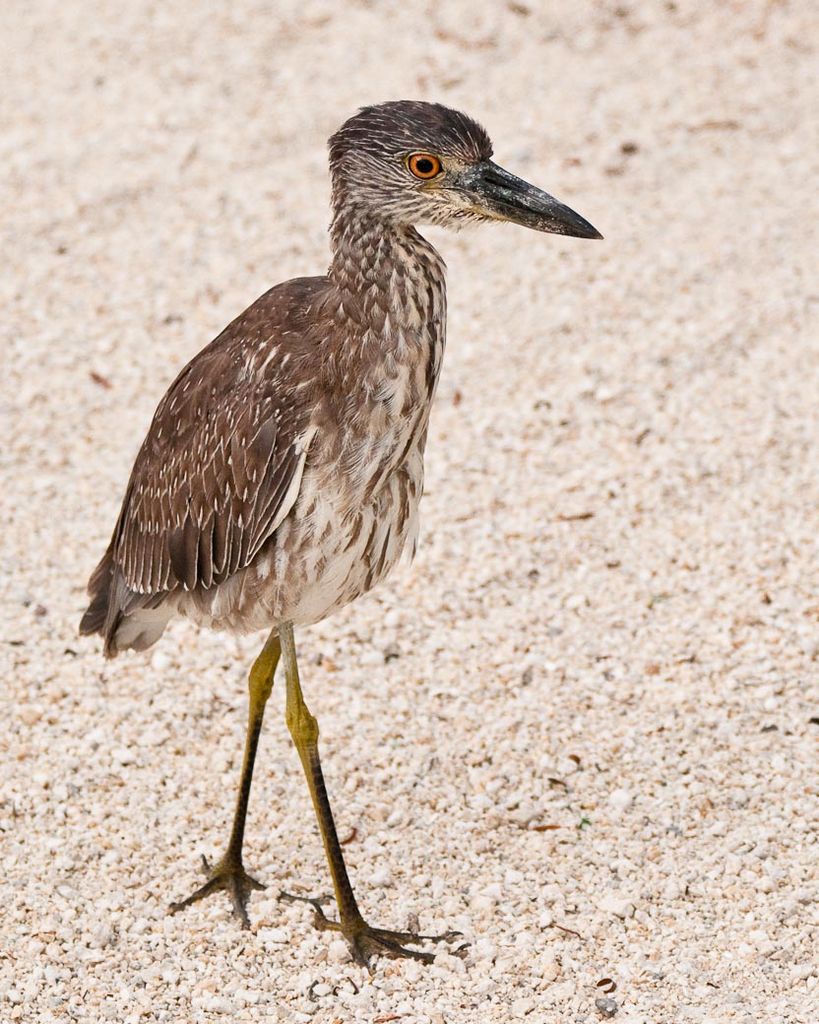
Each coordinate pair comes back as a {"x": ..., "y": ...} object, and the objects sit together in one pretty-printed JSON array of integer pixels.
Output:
[
  {"x": 122, "y": 618},
  {"x": 101, "y": 616}
]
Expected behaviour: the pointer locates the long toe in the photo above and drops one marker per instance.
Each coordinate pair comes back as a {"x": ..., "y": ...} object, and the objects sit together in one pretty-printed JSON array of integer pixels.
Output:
[
  {"x": 320, "y": 919},
  {"x": 228, "y": 875},
  {"x": 367, "y": 942}
]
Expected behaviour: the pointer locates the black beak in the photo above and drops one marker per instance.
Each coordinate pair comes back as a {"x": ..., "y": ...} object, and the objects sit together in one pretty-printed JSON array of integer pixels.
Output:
[{"x": 502, "y": 196}]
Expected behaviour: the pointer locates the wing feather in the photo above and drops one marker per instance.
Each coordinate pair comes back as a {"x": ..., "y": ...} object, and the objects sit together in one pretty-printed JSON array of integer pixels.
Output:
[
  {"x": 219, "y": 469},
  {"x": 221, "y": 465}
]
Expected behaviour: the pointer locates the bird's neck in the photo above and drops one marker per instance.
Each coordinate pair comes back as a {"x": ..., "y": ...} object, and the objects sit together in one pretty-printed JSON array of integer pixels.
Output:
[
  {"x": 390, "y": 280},
  {"x": 389, "y": 318},
  {"x": 388, "y": 309}
]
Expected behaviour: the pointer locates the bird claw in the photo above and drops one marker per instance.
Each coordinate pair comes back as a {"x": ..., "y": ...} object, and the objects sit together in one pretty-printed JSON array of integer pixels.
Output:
[
  {"x": 227, "y": 874},
  {"x": 365, "y": 941}
]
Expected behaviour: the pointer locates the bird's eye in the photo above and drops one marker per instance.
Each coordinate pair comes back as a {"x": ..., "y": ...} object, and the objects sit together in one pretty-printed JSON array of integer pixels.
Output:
[{"x": 424, "y": 165}]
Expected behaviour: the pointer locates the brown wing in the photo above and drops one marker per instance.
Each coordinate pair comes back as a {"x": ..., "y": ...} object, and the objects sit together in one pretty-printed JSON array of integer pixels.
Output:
[
  {"x": 221, "y": 464},
  {"x": 208, "y": 485}
]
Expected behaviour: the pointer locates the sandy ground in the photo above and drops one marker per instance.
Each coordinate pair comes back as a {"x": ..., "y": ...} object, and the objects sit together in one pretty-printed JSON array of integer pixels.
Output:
[{"x": 581, "y": 729}]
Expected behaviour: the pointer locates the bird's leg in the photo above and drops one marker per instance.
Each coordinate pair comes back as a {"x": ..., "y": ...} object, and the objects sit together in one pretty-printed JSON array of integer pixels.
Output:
[
  {"x": 229, "y": 873},
  {"x": 364, "y": 940}
]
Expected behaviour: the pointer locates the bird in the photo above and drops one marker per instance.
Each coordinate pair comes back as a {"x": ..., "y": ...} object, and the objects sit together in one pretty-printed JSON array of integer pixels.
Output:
[{"x": 281, "y": 475}]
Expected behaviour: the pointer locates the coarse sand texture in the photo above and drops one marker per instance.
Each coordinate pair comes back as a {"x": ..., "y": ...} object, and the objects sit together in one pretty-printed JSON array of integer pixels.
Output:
[{"x": 582, "y": 727}]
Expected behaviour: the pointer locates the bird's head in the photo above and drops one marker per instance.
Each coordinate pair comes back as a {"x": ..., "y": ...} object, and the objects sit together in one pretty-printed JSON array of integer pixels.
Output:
[{"x": 409, "y": 162}]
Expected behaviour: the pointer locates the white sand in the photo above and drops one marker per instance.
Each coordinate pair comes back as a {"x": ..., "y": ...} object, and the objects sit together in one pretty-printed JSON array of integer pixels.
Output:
[{"x": 649, "y": 672}]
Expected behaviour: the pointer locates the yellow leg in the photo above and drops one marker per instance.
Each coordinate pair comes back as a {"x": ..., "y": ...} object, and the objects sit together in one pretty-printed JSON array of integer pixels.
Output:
[
  {"x": 229, "y": 873},
  {"x": 260, "y": 685},
  {"x": 365, "y": 941}
]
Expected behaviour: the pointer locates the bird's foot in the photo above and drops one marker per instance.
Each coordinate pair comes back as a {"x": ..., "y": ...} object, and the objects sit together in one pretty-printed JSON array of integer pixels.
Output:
[
  {"x": 228, "y": 874},
  {"x": 366, "y": 942}
]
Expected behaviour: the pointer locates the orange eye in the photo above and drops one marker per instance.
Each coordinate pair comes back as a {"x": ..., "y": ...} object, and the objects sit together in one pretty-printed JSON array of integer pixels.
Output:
[{"x": 424, "y": 165}]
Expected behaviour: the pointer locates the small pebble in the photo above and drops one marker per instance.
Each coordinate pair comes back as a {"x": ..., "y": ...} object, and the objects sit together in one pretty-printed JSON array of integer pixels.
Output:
[
  {"x": 549, "y": 968},
  {"x": 620, "y": 800},
  {"x": 218, "y": 1004},
  {"x": 620, "y": 906},
  {"x": 381, "y": 877},
  {"x": 522, "y": 1007},
  {"x": 103, "y": 936},
  {"x": 338, "y": 952}
]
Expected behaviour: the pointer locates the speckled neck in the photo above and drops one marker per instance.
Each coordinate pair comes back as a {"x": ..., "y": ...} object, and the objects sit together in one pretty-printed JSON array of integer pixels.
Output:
[
  {"x": 390, "y": 320},
  {"x": 390, "y": 279}
]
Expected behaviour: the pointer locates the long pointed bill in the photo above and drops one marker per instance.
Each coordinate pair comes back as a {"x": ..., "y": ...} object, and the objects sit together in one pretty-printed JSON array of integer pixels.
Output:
[{"x": 501, "y": 195}]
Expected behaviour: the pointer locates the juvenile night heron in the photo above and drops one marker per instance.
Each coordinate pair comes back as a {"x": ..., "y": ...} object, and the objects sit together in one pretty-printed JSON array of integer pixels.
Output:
[{"x": 281, "y": 475}]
